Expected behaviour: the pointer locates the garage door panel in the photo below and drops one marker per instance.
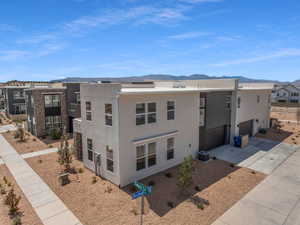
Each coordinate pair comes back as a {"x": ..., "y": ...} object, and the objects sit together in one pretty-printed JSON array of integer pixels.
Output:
[{"x": 246, "y": 128}]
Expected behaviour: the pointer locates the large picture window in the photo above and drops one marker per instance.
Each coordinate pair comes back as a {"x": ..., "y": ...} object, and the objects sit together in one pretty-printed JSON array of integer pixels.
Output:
[
  {"x": 109, "y": 159},
  {"x": 52, "y": 100},
  {"x": 108, "y": 114},
  {"x": 170, "y": 110}
]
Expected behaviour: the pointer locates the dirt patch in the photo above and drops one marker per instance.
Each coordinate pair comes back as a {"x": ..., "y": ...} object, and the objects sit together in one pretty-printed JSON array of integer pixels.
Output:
[
  {"x": 32, "y": 143},
  {"x": 104, "y": 203},
  {"x": 288, "y": 133},
  {"x": 55, "y": 143},
  {"x": 29, "y": 216},
  {"x": 286, "y": 113}
]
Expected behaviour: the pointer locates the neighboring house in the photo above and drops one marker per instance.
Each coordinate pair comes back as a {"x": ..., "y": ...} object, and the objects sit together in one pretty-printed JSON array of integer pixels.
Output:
[
  {"x": 131, "y": 131},
  {"x": 52, "y": 108},
  {"x": 14, "y": 101},
  {"x": 286, "y": 94}
]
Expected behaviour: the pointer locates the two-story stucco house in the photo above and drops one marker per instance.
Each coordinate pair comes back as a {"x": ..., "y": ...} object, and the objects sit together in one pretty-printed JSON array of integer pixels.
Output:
[
  {"x": 286, "y": 94},
  {"x": 130, "y": 131}
]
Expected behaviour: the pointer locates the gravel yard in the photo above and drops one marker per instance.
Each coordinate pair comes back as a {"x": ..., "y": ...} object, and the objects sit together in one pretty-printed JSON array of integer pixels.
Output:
[{"x": 104, "y": 203}]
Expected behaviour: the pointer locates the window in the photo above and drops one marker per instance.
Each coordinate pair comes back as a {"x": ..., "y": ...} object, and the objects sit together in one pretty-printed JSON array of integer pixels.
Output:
[
  {"x": 152, "y": 112},
  {"x": 52, "y": 100},
  {"x": 141, "y": 113},
  {"x": 18, "y": 94},
  {"x": 140, "y": 157},
  {"x": 90, "y": 149},
  {"x": 228, "y": 102},
  {"x": 77, "y": 98},
  {"x": 19, "y": 108},
  {"x": 294, "y": 94},
  {"x": 258, "y": 99},
  {"x": 239, "y": 102},
  {"x": 88, "y": 107},
  {"x": 108, "y": 114},
  {"x": 109, "y": 159},
  {"x": 151, "y": 154},
  {"x": 170, "y": 148},
  {"x": 171, "y": 110},
  {"x": 52, "y": 122}
]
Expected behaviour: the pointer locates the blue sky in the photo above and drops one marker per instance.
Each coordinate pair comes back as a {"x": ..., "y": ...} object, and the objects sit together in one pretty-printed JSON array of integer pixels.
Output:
[{"x": 51, "y": 39}]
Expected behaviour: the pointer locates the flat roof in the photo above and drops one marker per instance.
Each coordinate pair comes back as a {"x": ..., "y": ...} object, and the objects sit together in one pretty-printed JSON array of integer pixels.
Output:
[{"x": 158, "y": 90}]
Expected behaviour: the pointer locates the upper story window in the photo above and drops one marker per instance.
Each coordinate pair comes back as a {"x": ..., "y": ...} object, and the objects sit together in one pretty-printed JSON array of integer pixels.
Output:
[
  {"x": 88, "y": 108},
  {"x": 170, "y": 110},
  {"x": 90, "y": 149},
  {"x": 77, "y": 98},
  {"x": 170, "y": 148},
  {"x": 18, "y": 94},
  {"x": 109, "y": 159},
  {"x": 144, "y": 111},
  {"x": 258, "y": 99},
  {"x": 239, "y": 102},
  {"x": 52, "y": 100},
  {"x": 108, "y": 114}
]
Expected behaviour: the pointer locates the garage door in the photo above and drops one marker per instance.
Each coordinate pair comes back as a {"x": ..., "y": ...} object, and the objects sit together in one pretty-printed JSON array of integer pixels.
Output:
[
  {"x": 212, "y": 138},
  {"x": 246, "y": 128}
]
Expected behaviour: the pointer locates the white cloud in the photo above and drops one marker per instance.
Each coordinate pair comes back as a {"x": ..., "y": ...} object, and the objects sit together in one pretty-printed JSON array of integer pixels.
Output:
[
  {"x": 12, "y": 55},
  {"x": 189, "y": 35},
  {"x": 279, "y": 54},
  {"x": 49, "y": 49},
  {"x": 37, "y": 39}
]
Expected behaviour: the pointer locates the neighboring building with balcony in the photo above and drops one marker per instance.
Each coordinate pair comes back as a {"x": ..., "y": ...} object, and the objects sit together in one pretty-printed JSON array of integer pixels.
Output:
[
  {"x": 13, "y": 101},
  {"x": 130, "y": 131},
  {"x": 286, "y": 94},
  {"x": 52, "y": 108}
]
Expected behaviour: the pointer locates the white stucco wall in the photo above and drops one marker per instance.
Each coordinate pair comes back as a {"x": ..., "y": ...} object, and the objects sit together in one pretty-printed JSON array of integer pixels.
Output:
[
  {"x": 250, "y": 109},
  {"x": 186, "y": 140}
]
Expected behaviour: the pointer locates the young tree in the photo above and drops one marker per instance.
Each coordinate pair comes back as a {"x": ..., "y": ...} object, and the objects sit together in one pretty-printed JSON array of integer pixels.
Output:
[
  {"x": 65, "y": 153},
  {"x": 185, "y": 173},
  {"x": 12, "y": 201}
]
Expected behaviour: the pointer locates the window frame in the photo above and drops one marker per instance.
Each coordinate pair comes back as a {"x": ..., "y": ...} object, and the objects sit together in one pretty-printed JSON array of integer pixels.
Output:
[
  {"x": 151, "y": 154},
  {"x": 52, "y": 101},
  {"x": 108, "y": 116},
  {"x": 90, "y": 149},
  {"x": 109, "y": 159},
  {"x": 239, "y": 100},
  {"x": 144, "y": 157},
  {"x": 146, "y": 115},
  {"x": 171, "y": 110},
  {"x": 170, "y": 149},
  {"x": 88, "y": 111}
]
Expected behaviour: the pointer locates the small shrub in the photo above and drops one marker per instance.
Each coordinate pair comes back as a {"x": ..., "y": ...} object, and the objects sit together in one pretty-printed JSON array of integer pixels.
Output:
[
  {"x": 170, "y": 204},
  {"x": 40, "y": 161},
  {"x": 2, "y": 189},
  {"x": 232, "y": 165},
  {"x": 253, "y": 172},
  {"x": 34, "y": 139},
  {"x": 108, "y": 189},
  {"x": 80, "y": 170},
  {"x": 50, "y": 146},
  {"x": 200, "y": 205},
  {"x": 12, "y": 201},
  {"x": 151, "y": 183},
  {"x": 16, "y": 220},
  {"x": 198, "y": 188},
  {"x": 169, "y": 175},
  {"x": 55, "y": 134},
  {"x": 94, "y": 180}
]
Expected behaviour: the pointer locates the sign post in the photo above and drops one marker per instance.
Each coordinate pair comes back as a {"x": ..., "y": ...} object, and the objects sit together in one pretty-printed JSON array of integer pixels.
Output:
[{"x": 143, "y": 190}]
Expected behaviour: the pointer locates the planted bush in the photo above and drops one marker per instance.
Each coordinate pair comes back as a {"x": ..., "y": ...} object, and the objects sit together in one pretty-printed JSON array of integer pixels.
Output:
[
  {"x": 12, "y": 201},
  {"x": 55, "y": 134}
]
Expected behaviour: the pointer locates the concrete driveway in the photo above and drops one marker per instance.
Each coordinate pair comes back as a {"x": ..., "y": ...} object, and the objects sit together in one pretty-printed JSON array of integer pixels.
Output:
[
  {"x": 275, "y": 201},
  {"x": 261, "y": 154}
]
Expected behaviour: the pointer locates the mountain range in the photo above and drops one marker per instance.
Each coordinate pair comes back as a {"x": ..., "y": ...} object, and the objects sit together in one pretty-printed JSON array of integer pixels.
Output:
[{"x": 166, "y": 77}]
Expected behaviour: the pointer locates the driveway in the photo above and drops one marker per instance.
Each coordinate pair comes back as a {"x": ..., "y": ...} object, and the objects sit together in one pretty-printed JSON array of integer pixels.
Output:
[
  {"x": 262, "y": 155},
  {"x": 275, "y": 201}
]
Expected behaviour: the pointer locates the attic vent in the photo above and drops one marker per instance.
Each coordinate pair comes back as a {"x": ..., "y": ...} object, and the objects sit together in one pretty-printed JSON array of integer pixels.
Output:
[{"x": 178, "y": 85}]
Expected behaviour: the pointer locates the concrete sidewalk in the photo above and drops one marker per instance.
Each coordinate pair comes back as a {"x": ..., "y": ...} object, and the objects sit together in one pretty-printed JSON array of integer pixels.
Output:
[
  {"x": 50, "y": 209},
  {"x": 275, "y": 201},
  {"x": 6, "y": 128}
]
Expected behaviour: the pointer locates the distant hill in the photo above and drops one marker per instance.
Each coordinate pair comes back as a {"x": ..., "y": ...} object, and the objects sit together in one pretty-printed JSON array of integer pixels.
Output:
[{"x": 161, "y": 77}]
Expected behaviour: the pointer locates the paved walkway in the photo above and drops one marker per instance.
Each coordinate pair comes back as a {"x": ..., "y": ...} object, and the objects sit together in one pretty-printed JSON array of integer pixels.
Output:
[
  {"x": 6, "y": 128},
  {"x": 275, "y": 201},
  {"x": 262, "y": 155},
  {"x": 50, "y": 209},
  {"x": 35, "y": 154}
]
